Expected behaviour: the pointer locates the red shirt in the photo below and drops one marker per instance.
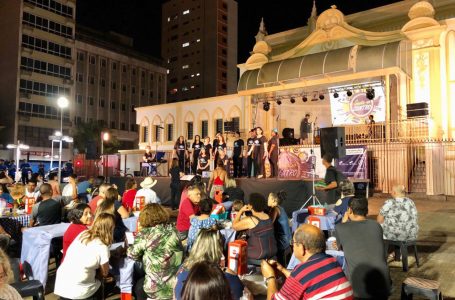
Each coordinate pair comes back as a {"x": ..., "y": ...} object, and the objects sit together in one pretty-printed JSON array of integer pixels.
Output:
[
  {"x": 70, "y": 234},
  {"x": 93, "y": 203},
  {"x": 186, "y": 209},
  {"x": 128, "y": 198}
]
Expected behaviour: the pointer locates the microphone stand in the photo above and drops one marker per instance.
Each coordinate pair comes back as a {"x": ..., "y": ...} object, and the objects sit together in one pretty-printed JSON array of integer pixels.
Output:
[{"x": 313, "y": 196}]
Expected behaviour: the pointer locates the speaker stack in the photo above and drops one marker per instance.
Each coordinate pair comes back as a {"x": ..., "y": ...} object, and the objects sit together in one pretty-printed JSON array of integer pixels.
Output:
[{"x": 333, "y": 142}]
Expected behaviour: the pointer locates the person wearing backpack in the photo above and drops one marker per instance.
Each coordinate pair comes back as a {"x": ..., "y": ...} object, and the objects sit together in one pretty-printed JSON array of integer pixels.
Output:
[{"x": 331, "y": 179}]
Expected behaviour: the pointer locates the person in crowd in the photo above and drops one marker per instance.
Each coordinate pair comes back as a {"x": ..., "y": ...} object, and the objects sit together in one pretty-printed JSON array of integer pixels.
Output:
[
  {"x": 159, "y": 248},
  {"x": 39, "y": 180},
  {"x": 224, "y": 158},
  {"x": 318, "y": 276},
  {"x": 207, "y": 146},
  {"x": 259, "y": 152},
  {"x": 25, "y": 170},
  {"x": 80, "y": 217},
  {"x": 5, "y": 195},
  {"x": 305, "y": 128},
  {"x": 146, "y": 191},
  {"x": 398, "y": 218},
  {"x": 331, "y": 179},
  {"x": 208, "y": 248},
  {"x": 371, "y": 124},
  {"x": 48, "y": 211},
  {"x": 84, "y": 188},
  {"x": 5, "y": 179},
  {"x": 68, "y": 168},
  {"x": 215, "y": 144},
  {"x": 259, "y": 227},
  {"x": 147, "y": 160},
  {"x": 206, "y": 281},
  {"x": 250, "y": 152},
  {"x": 7, "y": 292},
  {"x": 188, "y": 209},
  {"x": 101, "y": 194},
  {"x": 363, "y": 246},
  {"x": 181, "y": 152},
  {"x": 110, "y": 205},
  {"x": 3, "y": 166},
  {"x": 12, "y": 169},
  {"x": 203, "y": 163},
  {"x": 217, "y": 179},
  {"x": 341, "y": 206},
  {"x": 273, "y": 151},
  {"x": 17, "y": 191},
  {"x": 238, "y": 155},
  {"x": 175, "y": 174},
  {"x": 219, "y": 144},
  {"x": 30, "y": 190},
  {"x": 5, "y": 239},
  {"x": 197, "y": 146},
  {"x": 53, "y": 181},
  {"x": 280, "y": 221},
  {"x": 87, "y": 255},
  {"x": 232, "y": 193},
  {"x": 69, "y": 192},
  {"x": 99, "y": 180},
  {"x": 201, "y": 221},
  {"x": 129, "y": 193}
]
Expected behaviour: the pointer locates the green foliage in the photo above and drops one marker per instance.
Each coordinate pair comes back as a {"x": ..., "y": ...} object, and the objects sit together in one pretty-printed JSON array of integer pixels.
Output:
[{"x": 91, "y": 132}]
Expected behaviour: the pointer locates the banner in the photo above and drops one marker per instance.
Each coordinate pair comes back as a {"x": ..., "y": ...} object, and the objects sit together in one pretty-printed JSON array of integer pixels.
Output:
[{"x": 355, "y": 163}]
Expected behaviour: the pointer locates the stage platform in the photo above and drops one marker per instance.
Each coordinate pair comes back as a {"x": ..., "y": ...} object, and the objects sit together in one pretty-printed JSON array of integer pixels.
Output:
[{"x": 298, "y": 191}]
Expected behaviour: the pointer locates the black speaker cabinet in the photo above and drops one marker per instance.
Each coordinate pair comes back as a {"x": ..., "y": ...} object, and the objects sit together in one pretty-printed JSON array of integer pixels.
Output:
[
  {"x": 333, "y": 142},
  {"x": 288, "y": 133}
]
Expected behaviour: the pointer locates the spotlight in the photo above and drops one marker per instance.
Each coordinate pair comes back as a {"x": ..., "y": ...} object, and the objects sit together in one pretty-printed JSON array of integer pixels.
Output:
[
  {"x": 335, "y": 95},
  {"x": 266, "y": 106},
  {"x": 349, "y": 93},
  {"x": 292, "y": 100},
  {"x": 304, "y": 99},
  {"x": 370, "y": 93},
  {"x": 278, "y": 101},
  {"x": 321, "y": 97}
]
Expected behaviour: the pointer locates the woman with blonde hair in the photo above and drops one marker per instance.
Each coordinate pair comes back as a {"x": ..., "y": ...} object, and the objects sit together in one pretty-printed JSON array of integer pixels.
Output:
[
  {"x": 87, "y": 255},
  {"x": 207, "y": 248},
  {"x": 112, "y": 206},
  {"x": 158, "y": 246},
  {"x": 6, "y": 277}
]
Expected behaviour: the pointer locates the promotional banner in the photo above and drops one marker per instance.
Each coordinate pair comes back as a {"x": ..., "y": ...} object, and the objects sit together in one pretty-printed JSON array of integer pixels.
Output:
[
  {"x": 356, "y": 108},
  {"x": 355, "y": 163}
]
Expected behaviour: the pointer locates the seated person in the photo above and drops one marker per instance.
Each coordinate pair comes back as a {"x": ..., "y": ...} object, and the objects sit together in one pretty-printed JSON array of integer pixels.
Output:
[
  {"x": 280, "y": 221},
  {"x": 189, "y": 208},
  {"x": 84, "y": 188},
  {"x": 69, "y": 192},
  {"x": 259, "y": 227},
  {"x": 236, "y": 207},
  {"x": 207, "y": 248},
  {"x": 5, "y": 238},
  {"x": 201, "y": 221},
  {"x": 146, "y": 191},
  {"x": 96, "y": 200},
  {"x": 80, "y": 217},
  {"x": 48, "y": 211},
  {"x": 129, "y": 194},
  {"x": 318, "y": 276},
  {"x": 6, "y": 290},
  {"x": 341, "y": 206},
  {"x": 158, "y": 246},
  {"x": 5, "y": 195}
]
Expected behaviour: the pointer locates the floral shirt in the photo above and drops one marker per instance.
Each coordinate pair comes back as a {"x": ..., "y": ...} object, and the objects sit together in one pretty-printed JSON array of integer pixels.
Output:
[
  {"x": 162, "y": 254},
  {"x": 400, "y": 219}
]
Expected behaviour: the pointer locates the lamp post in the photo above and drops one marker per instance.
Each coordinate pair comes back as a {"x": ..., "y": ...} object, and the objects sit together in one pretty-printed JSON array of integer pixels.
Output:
[
  {"x": 62, "y": 102},
  {"x": 104, "y": 137}
]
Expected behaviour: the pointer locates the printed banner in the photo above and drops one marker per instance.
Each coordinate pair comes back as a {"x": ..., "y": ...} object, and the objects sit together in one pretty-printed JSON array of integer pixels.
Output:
[{"x": 355, "y": 163}]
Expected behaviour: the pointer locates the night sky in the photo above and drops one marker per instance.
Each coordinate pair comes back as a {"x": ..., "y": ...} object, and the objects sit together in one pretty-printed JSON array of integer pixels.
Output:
[{"x": 141, "y": 19}]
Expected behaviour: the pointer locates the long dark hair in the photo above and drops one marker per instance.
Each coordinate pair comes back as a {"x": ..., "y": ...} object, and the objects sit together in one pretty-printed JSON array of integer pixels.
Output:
[
  {"x": 197, "y": 138},
  {"x": 206, "y": 281},
  {"x": 75, "y": 214}
]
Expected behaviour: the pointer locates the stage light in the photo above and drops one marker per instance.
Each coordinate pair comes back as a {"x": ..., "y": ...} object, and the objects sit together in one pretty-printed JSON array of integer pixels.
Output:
[
  {"x": 292, "y": 100},
  {"x": 321, "y": 97},
  {"x": 335, "y": 95},
  {"x": 266, "y": 106},
  {"x": 278, "y": 101},
  {"x": 349, "y": 93},
  {"x": 304, "y": 99},
  {"x": 370, "y": 93}
]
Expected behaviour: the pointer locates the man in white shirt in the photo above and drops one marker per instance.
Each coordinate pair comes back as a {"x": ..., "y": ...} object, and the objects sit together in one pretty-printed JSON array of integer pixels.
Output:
[
  {"x": 30, "y": 190},
  {"x": 69, "y": 192},
  {"x": 146, "y": 191}
]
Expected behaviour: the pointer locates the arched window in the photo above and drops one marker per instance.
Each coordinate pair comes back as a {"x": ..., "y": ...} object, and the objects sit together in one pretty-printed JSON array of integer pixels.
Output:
[
  {"x": 144, "y": 131},
  {"x": 169, "y": 128}
]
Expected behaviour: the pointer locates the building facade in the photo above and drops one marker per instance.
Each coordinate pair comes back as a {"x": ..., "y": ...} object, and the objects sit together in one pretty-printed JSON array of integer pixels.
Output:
[
  {"x": 199, "y": 44},
  {"x": 37, "y": 60},
  {"x": 111, "y": 80}
]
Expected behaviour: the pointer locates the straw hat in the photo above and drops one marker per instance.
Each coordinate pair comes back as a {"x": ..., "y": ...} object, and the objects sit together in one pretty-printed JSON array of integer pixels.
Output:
[{"x": 148, "y": 183}]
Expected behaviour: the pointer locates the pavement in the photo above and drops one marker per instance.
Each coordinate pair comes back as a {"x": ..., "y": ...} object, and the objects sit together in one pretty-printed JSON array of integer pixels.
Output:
[{"x": 436, "y": 246}]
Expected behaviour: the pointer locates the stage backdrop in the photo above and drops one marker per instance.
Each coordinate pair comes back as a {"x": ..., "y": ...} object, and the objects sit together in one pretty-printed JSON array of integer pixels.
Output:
[{"x": 355, "y": 163}]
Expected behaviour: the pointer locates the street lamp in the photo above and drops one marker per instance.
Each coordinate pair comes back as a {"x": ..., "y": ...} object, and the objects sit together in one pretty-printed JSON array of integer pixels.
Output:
[
  {"x": 18, "y": 148},
  {"x": 104, "y": 138},
  {"x": 62, "y": 102}
]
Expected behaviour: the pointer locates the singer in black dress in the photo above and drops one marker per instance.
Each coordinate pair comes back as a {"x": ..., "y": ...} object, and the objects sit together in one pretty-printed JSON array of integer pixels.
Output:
[{"x": 180, "y": 151}]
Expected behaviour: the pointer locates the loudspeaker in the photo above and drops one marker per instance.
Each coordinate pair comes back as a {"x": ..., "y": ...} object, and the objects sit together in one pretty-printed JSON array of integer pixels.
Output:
[
  {"x": 333, "y": 142},
  {"x": 288, "y": 133},
  {"x": 419, "y": 109}
]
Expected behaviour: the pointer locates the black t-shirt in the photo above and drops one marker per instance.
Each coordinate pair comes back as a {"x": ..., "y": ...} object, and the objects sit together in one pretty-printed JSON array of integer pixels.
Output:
[
  {"x": 330, "y": 175},
  {"x": 208, "y": 149},
  {"x": 238, "y": 144},
  {"x": 363, "y": 248},
  {"x": 259, "y": 146},
  {"x": 180, "y": 148},
  {"x": 203, "y": 161},
  {"x": 175, "y": 175},
  {"x": 234, "y": 193},
  {"x": 148, "y": 156},
  {"x": 197, "y": 148},
  {"x": 49, "y": 212},
  {"x": 273, "y": 141},
  {"x": 250, "y": 143},
  {"x": 215, "y": 143}
]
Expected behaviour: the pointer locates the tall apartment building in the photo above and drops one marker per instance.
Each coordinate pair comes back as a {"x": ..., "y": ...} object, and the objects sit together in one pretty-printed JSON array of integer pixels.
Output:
[
  {"x": 199, "y": 44},
  {"x": 36, "y": 67},
  {"x": 111, "y": 80}
]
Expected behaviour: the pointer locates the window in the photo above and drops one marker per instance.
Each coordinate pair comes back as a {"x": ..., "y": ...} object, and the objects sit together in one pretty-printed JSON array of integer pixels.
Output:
[
  {"x": 40, "y": 111},
  {"x": 170, "y": 132},
  {"x": 92, "y": 80},
  {"x": 90, "y": 100},
  {"x": 37, "y": 66},
  {"x": 122, "y": 126},
  {"x": 157, "y": 133},
  {"x": 80, "y": 77},
  {"x": 114, "y": 85},
  {"x": 145, "y": 134},
  {"x": 113, "y": 125},
  {"x": 185, "y": 44},
  {"x": 133, "y": 127},
  {"x": 53, "y": 6},
  {"x": 33, "y": 43},
  {"x": 189, "y": 130},
  {"x": 142, "y": 92},
  {"x": 79, "y": 99},
  {"x": 42, "y": 89},
  {"x": 80, "y": 56},
  {"x": 185, "y": 12},
  {"x": 219, "y": 125},
  {"x": 204, "y": 128},
  {"x": 143, "y": 74},
  {"x": 102, "y": 82},
  {"x": 123, "y": 106},
  {"x": 101, "y": 103},
  {"x": 185, "y": 66},
  {"x": 92, "y": 60},
  {"x": 124, "y": 69},
  {"x": 103, "y": 63},
  {"x": 124, "y": 87},
  {"x": 133, "y": 90},
  {"x": 114, "y": 66},
  {"x": 47, "y": 25},
  {"x": 112, "y": 105},
  {"x": 236, "y": 124},
  {"x": 133, "y": 71}
]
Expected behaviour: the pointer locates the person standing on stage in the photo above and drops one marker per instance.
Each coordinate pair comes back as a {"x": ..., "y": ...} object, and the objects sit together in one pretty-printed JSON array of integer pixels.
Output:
[
  {"x": 260, "y": 152},
  {"x": 219, "y": 146},
  {"x": 273, "y": 152},
  {"x": 197, "y": 146},
  {"x": 371, "y": 123},
  {"x": 237, "y": 158},
  {"x": 180, "y": 151},
  {"x": 147, "y": 159},
  {"x": 215, "y": 143},
  {"x": 250, "y": 153},
  {"x": 331, "y": 180},
  {"x": 202, "y": 162},
  {"x": 305, "y": 128},
  {"x": 207, "y": 146}
]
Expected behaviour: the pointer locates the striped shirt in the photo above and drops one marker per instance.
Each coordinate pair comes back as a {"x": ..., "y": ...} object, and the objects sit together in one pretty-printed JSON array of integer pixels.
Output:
[{"x": 320, "y": 277}]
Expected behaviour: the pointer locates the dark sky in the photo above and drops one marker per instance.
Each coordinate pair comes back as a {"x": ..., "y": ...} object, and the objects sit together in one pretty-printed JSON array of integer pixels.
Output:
[{"x": 141, "y": 19}]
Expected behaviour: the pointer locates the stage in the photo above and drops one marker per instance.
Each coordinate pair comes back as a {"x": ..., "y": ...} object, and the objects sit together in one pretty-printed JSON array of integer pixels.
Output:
[{"x": 298, "y": 191}]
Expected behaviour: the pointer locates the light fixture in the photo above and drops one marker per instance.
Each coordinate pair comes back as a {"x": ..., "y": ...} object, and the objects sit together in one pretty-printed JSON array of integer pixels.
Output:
[
  {"x": 349, "y": 93},
  {"x": 278, "y": 101},
  {"x": 321, "y": 97},
  {"x": 62, "y": 102},
  {"x": 335, "y": 95},
  {"x": 370, "y": 93},
  {"x": 304, "y": 99},
  {"x": 266, "y": 106},
  {"x": 292, "y": 99}
]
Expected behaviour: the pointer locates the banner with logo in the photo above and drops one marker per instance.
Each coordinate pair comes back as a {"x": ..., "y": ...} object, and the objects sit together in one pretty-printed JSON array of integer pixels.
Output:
[{"x": 355, "y": 163}]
